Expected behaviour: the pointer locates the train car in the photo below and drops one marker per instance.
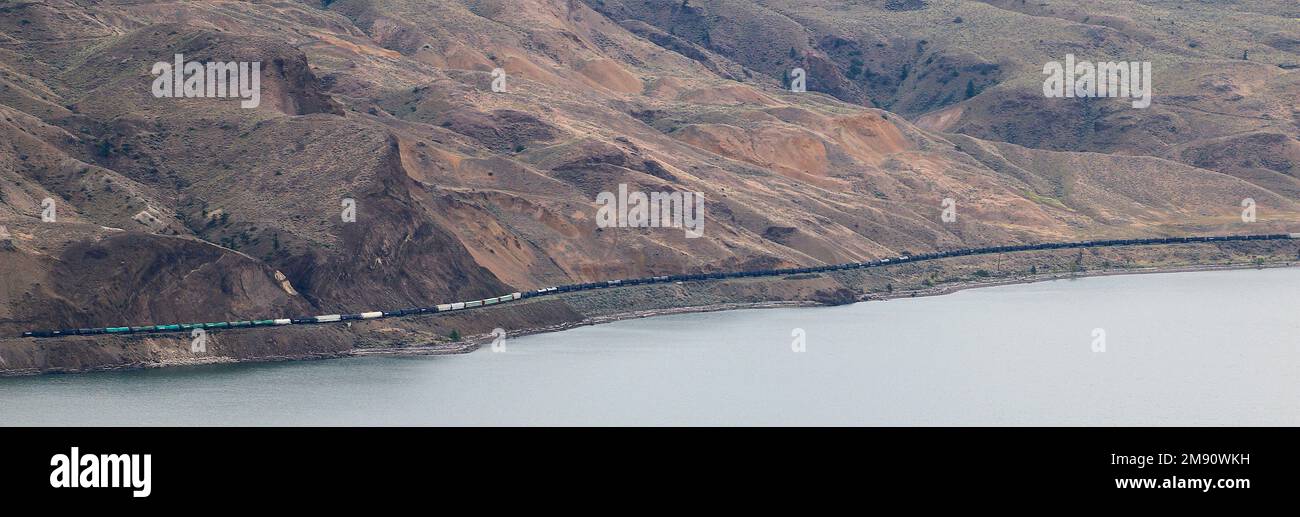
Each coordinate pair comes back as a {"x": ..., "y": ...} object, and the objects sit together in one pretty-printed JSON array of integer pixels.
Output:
[
  {"x": 306, "y": 320},
  {"x": 457, "y": 306},
  {"x": 372, "y": 315},
  {"x": 329, "y": 318},
  {"x": 240, "y": 324},
  {"x": 475, "y": 303}
]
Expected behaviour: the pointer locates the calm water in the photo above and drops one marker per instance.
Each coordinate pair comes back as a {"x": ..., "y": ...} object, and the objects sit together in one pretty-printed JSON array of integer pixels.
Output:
[{"x": 1214, "y": 348}]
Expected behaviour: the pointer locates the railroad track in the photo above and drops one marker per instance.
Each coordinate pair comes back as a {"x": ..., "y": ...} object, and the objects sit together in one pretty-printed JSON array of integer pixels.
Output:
[{"x": 469, "y": 305}]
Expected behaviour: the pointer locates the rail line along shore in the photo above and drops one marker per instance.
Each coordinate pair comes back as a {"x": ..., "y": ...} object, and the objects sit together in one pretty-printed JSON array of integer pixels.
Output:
[{"x": 468, "y": 305}]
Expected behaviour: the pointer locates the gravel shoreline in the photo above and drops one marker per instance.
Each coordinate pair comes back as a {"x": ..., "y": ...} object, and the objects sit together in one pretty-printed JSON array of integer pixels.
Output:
[
  {"x": 427, "y": 336},
  {"x": 472, "y": 343}
]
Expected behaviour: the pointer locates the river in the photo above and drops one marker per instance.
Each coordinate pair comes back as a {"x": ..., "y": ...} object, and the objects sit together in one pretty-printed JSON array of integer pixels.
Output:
[{"x": 1205, "y": 348}]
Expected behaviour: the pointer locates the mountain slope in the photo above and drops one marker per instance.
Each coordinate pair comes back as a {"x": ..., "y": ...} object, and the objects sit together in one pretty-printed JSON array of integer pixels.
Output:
[{"x": 172, "y": 209}]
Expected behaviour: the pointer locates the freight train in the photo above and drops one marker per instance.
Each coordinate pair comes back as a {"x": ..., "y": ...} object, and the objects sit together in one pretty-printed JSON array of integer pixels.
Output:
[{"x": 458, "y": 306}]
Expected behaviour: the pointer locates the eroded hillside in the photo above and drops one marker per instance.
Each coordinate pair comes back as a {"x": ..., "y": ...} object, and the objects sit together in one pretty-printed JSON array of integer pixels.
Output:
[{"x": 195, "y": 208}]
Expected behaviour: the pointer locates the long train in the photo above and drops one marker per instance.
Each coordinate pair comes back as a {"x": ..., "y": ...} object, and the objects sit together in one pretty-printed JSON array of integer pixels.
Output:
[{"x": 459, "y": 306}]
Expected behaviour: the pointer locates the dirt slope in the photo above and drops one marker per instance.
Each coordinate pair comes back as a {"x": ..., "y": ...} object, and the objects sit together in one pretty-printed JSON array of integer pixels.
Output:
[{"x": 197, "y": 209}]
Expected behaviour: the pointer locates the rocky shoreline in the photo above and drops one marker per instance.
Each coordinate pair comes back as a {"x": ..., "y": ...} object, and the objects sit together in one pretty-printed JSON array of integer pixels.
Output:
[
  {"x": 428, "y": 335},
  {"x": 472, "y": 343}
]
